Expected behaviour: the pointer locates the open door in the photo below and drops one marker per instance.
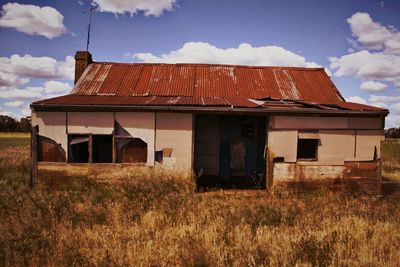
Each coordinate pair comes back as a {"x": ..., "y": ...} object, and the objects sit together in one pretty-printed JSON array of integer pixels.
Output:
[{"x": 229, "y": 151}]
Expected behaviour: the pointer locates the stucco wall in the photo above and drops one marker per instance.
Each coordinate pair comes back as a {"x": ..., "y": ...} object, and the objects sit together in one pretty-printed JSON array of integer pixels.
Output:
[
  {"x": 174, "y": 130},
  {"x": 366, "y": 142},
  {"x": 140, "y": 125},
  {"x": 90, "y": 122},
  {"x": 52, "y": 125},
  {"x": 283, "y": 143},
  {"x": 308, "y": 122},
  {"x": 335, "y": 146}
]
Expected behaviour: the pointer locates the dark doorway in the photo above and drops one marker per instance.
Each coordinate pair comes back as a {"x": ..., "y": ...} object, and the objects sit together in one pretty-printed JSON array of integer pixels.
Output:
[
  {"x": 78, "y": 151},
  {"x": 102, "y": 148},
  {"x": 229, "y": 151}
]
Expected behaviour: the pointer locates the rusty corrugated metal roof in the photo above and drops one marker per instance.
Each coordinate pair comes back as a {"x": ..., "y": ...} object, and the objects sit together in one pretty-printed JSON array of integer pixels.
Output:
[
  {"x": 266, "y": 88},
  {"x": 148, "y": 101},
  {"x": 106, "y": 100},
  {"x": 201, "y": 80}
]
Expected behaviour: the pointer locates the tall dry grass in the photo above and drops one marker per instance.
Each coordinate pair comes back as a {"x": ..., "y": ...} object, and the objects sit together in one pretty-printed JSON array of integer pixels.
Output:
[
  {"x": 391, "y": 159},
  {"x": 159, "y": 220}
]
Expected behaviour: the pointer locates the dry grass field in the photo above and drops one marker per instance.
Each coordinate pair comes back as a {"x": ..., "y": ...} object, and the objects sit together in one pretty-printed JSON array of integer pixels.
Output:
[
  {"x": 160, "y": 221},
  {"x": 391, "y": 159}
]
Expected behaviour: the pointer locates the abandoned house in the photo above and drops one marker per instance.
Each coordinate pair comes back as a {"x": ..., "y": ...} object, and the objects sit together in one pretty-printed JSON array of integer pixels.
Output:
[{"x": 222, "y": 123}]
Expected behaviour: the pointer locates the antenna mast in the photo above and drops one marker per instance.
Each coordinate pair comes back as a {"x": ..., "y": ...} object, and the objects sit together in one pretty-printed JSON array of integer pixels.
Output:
[{"x": 90, "y": 11}]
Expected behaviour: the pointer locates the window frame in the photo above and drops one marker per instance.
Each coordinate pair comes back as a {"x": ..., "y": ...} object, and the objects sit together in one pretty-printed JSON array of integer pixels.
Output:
[{"x": 302, "y": 137}]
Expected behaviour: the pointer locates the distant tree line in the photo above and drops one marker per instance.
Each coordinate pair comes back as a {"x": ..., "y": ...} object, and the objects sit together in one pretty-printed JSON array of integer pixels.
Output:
[
  {"x": 9, "y": 124},
  {"x": 392, "y": 133}
]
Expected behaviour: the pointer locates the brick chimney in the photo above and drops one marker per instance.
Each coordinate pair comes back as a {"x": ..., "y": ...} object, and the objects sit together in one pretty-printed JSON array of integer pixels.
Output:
[{"x": 82, "y": 60}]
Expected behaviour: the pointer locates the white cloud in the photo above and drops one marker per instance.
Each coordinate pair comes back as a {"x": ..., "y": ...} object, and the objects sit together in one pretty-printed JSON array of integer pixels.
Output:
[
  {"x": 37, "y": 67},
  {"x": 367, "y": 32},
  {"x": 372, "y": 86},
  {"x": 33, "y": 20},
  {"x": 19, "y": 70},
  {"x": 8, "y": 79},
  {"x": 377, "y": 68},
  {"x": 357, "y": 99},
  {"x": 29, "y": 92},
  {"x": 149, "y": 7},
  {"x": 368, "y": 66},
  {"x": 14, "y": 104},
  {"x": 51, "y": 87},
  {"x": 372, "y": 35},
  {"x": 392, "y": 103},
  {"x": 244, "y": 54},
  {"x": 384, "y": 99}
]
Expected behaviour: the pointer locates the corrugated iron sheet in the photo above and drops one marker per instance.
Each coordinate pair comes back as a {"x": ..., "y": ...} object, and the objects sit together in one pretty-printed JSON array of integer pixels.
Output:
[
  {"x": 354, "y": 106},
  {"x": 201, "y": 80},
  {"x": 207, "y": 85},
  {"x": 198, "y": 101}
]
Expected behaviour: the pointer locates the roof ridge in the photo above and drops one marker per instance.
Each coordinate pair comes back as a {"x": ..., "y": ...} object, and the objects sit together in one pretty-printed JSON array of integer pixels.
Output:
[{"x": 209, "y": 64}]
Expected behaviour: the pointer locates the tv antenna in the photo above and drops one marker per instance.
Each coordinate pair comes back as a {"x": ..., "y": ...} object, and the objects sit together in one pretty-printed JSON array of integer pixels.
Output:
[{"x": 90, "y": 11}]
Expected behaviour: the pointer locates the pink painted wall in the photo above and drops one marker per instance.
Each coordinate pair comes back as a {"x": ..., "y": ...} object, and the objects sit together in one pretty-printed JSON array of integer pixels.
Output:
[{"x": 174, "y": 130}]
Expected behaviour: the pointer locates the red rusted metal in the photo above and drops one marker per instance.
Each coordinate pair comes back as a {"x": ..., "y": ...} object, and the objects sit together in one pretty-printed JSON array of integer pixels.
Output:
[
  {"x": 301, "y": 106},
  {"x": 203, "y": 80},
  {"x": 273, "y": 88}
]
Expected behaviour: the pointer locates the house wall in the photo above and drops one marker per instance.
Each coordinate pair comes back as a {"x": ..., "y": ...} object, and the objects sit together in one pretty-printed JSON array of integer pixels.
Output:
[
  {"x": 341, "y": 140},
  {"x": 283, "y": 143},
  {"x": 90, "y": 122},
  {"x": 175, "y": 131},
  {"x": 52, "y": 125},
  {"x": 308, "y": 122},
  {"x": 140, "y": 125}
]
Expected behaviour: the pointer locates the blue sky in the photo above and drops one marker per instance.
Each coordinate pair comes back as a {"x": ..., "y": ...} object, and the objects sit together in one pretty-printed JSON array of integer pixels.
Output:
[{"x": 357, "y": 42}]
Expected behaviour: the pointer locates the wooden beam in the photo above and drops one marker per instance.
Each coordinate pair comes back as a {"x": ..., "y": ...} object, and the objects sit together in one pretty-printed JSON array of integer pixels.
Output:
[
  {"x": 90, "y": 148},
  {"x": 114, "y": 146},
  {"x": 34, "y": 148}
]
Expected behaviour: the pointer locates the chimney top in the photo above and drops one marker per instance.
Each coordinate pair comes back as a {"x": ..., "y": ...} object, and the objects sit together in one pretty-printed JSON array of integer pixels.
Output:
[{"x": 82, "y": 60}]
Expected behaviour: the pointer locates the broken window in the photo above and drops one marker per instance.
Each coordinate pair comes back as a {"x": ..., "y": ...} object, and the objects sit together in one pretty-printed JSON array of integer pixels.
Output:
[
  {"x": 131, "y": 150},
  {"x": 307, "y": 149},
  {"x": 102, "y": 147},
  {"x": 78, "y": 151},
  {"x": 128, "y": 148},
  {"x": 49, "y": 150}
]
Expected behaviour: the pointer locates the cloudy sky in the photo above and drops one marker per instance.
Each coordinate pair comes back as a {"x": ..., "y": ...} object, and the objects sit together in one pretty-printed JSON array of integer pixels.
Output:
[{"x": 356, "y": 41}]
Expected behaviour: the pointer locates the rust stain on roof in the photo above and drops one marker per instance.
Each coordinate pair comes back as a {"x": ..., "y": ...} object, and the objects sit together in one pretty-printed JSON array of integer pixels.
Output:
[
  {"x": 197, "y": 80},
  {"x": 284, "y": 105},
  {"x": 233, "y": 86}
]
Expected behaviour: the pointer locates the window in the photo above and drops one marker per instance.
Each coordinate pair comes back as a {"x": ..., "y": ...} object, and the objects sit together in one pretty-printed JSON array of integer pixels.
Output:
[
  {"x": 120, "y": 147},
  {"x": 102, "y": 147},
  {"x": 90, "y": 148},
  {"x": 49, "y": 150},
  {"x": 307, "y": 149},
  {"x": 128, "y": 148},
  {"x": 131, "y": 150},
  {"x": 78, "y": 151}
]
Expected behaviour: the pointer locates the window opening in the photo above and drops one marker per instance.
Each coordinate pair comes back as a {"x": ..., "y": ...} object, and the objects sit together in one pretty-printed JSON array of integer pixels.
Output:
[
  {"x": 307, "y": 149},
  {"x": 78, "y": 148},
  {"x": 49, "y": 150},
  {"x": 102, "y": 148}
]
